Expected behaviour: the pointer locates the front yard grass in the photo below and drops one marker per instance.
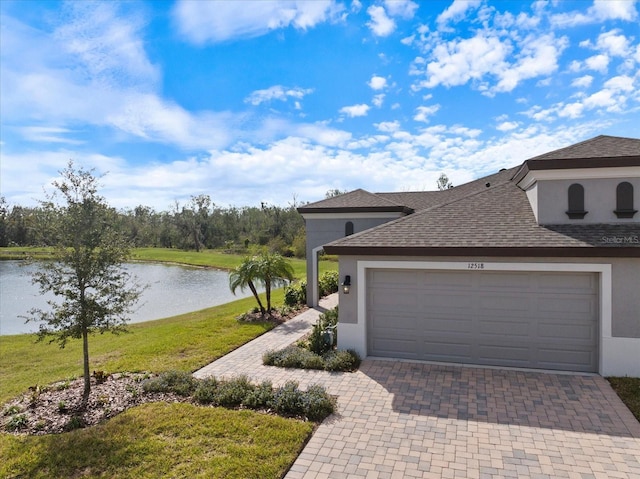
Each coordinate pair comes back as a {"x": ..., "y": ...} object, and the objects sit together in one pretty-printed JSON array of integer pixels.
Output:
[
  {"x": 152, "y": 440},
  {"x": 162, "y": 440}
]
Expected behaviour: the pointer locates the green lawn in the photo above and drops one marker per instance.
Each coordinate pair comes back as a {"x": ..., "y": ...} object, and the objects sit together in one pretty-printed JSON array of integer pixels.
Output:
[
  {"x": 162, "y": 440},
  {"x": 152, "y": 440}
]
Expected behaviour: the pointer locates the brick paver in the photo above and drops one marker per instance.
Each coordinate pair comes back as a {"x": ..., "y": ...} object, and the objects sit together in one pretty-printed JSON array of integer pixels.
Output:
[{"x": 401, "y": 419}]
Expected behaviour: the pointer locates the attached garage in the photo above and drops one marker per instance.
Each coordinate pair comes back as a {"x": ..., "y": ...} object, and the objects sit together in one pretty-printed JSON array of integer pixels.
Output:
[{"x": 529, "y": 319}]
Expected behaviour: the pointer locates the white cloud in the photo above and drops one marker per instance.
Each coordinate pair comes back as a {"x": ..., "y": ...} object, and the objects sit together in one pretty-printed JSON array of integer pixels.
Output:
[
  {"x": 507, "y": 126},
  {"x": 377, "y": 82},
  {"x": 582, "y": 82},
  {"x": 388, "y": 126},
  {"x": 401, "y": 8},
  {"x": 613, "y": 43},
  {"x": 458, "y": 61},
  {"x": 539, "y": 56},
  {"x": 378, "y": 100},
  {"x": 276, "y": 92},
  {"x": 457, "y": 10},
  {"x": 424, "y": 112},
  {"x": 355, "y": 110},
  {"x": 598, "y": 63},
  {"x": 201, "y": 22},
  {"x": 381, "y": 25},
  {"x": 601, "y": 10},
  {"x": 48, "y": 134}
]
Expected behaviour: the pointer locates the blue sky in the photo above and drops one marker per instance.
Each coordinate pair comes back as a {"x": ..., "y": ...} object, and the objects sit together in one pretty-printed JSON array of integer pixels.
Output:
[{"x": 280, "y": 101}]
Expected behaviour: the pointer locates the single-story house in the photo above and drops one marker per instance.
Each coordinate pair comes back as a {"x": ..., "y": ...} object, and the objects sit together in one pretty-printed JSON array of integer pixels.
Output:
[{"x": 536, "y": 266}]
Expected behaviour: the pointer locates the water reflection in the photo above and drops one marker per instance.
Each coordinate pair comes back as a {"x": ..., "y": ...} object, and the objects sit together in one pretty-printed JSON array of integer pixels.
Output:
[{"x": 171, "y": 290}]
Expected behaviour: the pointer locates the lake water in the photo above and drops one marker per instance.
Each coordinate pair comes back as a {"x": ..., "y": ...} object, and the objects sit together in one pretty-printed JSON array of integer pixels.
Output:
[{"x": 171, "y": 290}]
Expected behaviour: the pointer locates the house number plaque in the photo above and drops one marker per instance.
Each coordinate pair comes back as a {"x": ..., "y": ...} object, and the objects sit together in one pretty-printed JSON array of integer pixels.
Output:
[{"x": 475, "y": 265}]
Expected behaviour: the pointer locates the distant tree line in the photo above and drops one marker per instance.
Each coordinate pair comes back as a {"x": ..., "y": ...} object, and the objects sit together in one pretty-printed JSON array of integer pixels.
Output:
[{"x": 195, "y": 225}]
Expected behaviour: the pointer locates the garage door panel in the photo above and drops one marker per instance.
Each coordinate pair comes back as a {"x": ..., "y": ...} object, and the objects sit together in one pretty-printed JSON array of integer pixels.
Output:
[
  {"x": 440, "y": 325},
  {"x": 523, "y": 319},
  {"x": 445, "y": 280},
  {"x": 399, "y": 299},
  {"x": 506, "y": 329},
  {"x": 505, "y": 281},
  {"x": 566, "y": 282},
  {"x": 440, "y": 301},
  {"x": 551, "y": 332},
  {"x": 446, "y": 351},
  {"x": 502, "y": 302}
]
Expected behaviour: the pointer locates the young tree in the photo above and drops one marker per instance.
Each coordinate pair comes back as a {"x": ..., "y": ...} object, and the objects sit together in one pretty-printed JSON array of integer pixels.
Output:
[
  {"x": 267, "y": 269},
  {"x": 93, "y": 292},
  {"x": 246, "y": 275},
  {"x": 273, "y": 270}
]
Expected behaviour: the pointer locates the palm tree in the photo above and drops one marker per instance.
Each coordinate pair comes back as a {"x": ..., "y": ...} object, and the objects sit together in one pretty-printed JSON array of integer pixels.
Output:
[
  {"x": 245, "y": 275},
  {"x": 273, "y": 270}
]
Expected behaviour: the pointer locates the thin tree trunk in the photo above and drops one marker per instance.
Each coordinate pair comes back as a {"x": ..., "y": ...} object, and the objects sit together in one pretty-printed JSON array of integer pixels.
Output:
[
  {"x": 87, "y": 374},
  {"x": 257, "y": 296}
]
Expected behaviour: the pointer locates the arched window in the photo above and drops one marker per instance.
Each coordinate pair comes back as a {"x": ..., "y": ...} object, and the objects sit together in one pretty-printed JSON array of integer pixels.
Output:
[
  {"x": 624, "y": 200},
  {"x": 348, "y": 228},
  {"x": 576, "y": 202}
]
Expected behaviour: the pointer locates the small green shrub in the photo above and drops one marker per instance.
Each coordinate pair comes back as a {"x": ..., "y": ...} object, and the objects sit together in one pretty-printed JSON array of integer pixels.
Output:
[
  {"x": 295, "y": 293},
  {"x": 260, "y": 397},
  {"x": 231, "y": 393},
  {"x": 288, "y": 400},
  {"x": 75, "y": 422},
  {"x": 328, "y": 282},
  {"x": 11, "y": 410},
  {"x": 324, "y": 335},
  {"x": 205, "y": 392},
  {"x": 318, "y": 403},
  {"x": 17, "y": 422},
  {"x": 178, "y": 382},
  {"x": 293, "y": 357},
  {"x": 341, "y": 360}
]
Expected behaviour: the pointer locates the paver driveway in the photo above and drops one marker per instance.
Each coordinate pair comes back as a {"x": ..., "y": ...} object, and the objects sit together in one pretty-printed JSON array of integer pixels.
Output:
[{"x": 401, "y": 419}]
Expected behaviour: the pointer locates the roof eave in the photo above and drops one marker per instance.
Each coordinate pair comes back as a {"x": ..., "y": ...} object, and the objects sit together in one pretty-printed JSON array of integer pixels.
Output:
[
  {"x": 357, "y": 209},
  {"x": 574, "y": 252}
]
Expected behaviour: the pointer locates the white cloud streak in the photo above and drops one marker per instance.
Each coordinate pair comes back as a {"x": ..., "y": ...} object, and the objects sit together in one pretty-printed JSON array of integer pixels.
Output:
[{"x": 203, "y": 22}]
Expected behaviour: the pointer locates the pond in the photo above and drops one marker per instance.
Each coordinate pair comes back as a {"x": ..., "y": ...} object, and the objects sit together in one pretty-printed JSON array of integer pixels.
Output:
[{"x": 171, "y": 290}]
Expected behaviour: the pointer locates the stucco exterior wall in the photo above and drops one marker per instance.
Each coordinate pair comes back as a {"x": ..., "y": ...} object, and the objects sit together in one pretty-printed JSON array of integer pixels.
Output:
[
  {"x": 599, "y": 201},
  {"x": 322, "y": 231}
]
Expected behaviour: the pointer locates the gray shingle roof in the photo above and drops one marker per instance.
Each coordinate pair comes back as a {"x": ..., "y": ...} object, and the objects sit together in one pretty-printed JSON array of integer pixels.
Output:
[
  {"x": 602, "y": 146},
  {"x": 353, "y": 201},
  {"x": 493, "y": 216}
]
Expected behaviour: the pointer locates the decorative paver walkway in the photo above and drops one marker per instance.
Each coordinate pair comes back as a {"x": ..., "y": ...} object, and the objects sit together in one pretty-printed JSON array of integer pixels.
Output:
[{"x": 402, "y": 419}]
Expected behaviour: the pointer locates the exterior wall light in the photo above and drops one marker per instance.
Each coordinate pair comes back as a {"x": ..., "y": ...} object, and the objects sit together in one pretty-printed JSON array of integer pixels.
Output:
[{"x": 346, "y": 286}]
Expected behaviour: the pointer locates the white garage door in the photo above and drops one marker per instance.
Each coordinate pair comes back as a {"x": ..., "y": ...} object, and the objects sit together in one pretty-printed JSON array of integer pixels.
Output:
[{"x": 544, "y": 320}]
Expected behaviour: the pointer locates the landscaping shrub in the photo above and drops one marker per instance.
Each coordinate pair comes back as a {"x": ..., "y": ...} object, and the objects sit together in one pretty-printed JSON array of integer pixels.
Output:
[
  {"x": 340, "y": 360},
  {"x": 178, "y": 382},
  {"x": 328, "y": 282},
  {"x": 260, "y": 397},
  {"x": 288, "y": 400},
  {"x": 318, "y": 403},
  {"x": 321, "y": 340},
  {"x": 231, "y": 393},
  {"x": 293, "y": 357},
  {"x": 295, "y": 293},
  {"x": 205, "y": 392},
  {"x": 299, "y": 357}
]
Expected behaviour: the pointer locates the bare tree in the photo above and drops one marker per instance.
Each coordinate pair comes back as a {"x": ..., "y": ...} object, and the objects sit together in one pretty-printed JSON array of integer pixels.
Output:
[{"x": 443, "y": 182}]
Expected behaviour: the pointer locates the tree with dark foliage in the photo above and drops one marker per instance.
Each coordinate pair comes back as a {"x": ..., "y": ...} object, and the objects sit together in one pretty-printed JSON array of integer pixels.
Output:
[{"x": 93, "y": 292}]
